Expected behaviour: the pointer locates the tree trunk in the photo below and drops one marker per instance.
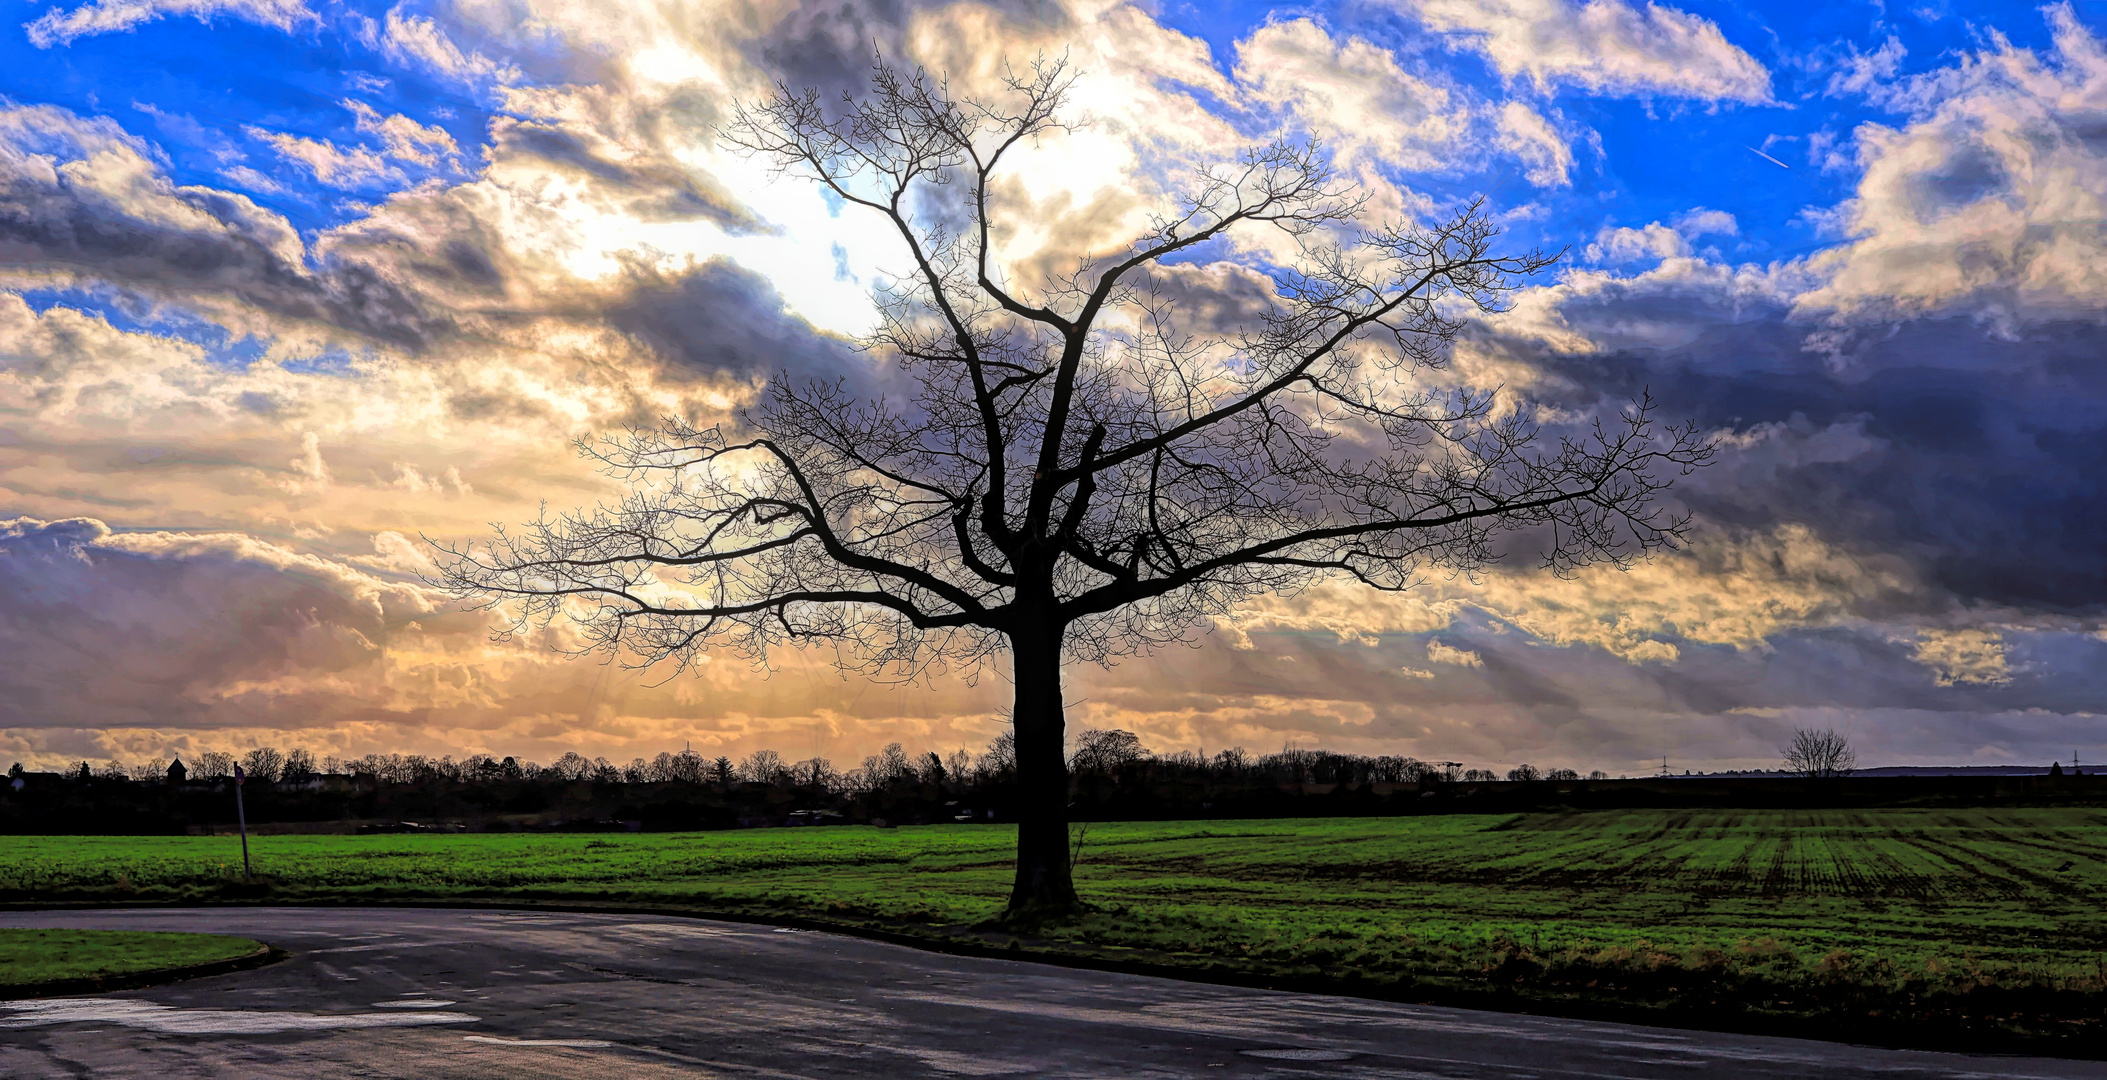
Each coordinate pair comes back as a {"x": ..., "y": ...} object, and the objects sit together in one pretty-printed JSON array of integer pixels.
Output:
[{"x": 1044, "y": 888}]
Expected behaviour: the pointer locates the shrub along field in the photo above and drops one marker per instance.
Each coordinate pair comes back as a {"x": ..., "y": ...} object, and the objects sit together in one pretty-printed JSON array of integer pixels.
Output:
[
  {"x": 32, "y": 957},
  {"x": 1925, "y": 926}
]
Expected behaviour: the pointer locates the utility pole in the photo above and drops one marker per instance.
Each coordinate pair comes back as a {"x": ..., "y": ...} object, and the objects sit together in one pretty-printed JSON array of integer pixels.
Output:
[{"x": 241, "y": 817}]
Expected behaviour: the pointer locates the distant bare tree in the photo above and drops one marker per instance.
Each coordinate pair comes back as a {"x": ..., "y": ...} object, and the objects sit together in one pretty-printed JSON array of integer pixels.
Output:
[
  {"x": 1819, "y": 753},
  {"x": 1562, "y": 774},
  {"x": 572, "y": 766},
  {"x": 1089, "y": 461},
  {"x": 263, "y": 763},
  {"x": 815, "y": 772},
  {"x": 1524, "y": 771},
  {"x": 1000, "y": 756},
  {"x": 886, "y": 767},
  {"x": 211, "y": 765},
  {"x": 1103, "y": 752},
  {"x": 763, "y": 767}
]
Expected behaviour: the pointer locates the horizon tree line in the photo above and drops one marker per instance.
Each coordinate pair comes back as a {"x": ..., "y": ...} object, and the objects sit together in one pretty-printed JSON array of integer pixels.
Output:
[
  {"x": 1097, "y": 752},
  {"x": 1809, "y": 753}
]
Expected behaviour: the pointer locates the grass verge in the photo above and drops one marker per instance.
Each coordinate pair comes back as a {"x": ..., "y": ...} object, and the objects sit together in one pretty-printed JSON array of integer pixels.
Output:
[
  {"x": 34, "y": 962},
  {"x": 1958, "y": 928}
]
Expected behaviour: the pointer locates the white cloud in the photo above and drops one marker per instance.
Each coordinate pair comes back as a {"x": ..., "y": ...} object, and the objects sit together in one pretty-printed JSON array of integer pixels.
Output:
[
  {"x": 1703, "y": 222},
  {"x": 1352, "y": 94},
  {"x": 1664, "y": 307},
  {"x": 406, "y": 139},
  {"x": 53, "y": 164},
  {"x": 1527, "y": 135},
  {"x": 336, "y": 166},
  {"x": 1988, "y": 202},
  {"x": 243, "y": 176},
  {"x": 309, "y": 466},
  {"x": 1439, "y": 652},
  {"x": 1621, "y": 245},
  {"x": 1652, "y": 652},
  {"x": 1658, "y": 241},
  {"x": 418, "y": 41},
  {"x": 1964, "y": 657},
  {"x": 57, "y": 27},
  {"x": 1867, "y": 72},
  {"x": 1604, "y": 46}
]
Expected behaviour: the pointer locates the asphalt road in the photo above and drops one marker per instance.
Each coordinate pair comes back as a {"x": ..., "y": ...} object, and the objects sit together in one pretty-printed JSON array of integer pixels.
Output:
[{"x": 428, "y": 993}]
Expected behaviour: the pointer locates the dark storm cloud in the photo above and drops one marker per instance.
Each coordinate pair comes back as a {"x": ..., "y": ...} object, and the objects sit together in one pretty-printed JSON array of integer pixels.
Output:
[
  {"x": 1975, "y": 453},
  {"x": 104, "y": 629},
  {"x": 80, "y": 198},
  {"x": 722, "y": 318},
  {"x": 653, "y": 191},
  {"x": 829, "y": 44}
]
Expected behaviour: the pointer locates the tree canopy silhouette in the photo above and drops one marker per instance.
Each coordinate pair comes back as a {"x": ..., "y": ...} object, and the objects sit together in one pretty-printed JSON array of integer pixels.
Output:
[
  {"x": 1819, "y": 754},
  {"x": 1090, "y": 461}
]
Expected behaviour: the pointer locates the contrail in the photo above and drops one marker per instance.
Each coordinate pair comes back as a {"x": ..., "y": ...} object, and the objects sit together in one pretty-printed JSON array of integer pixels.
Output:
[{"x": 1768, "y": 158}]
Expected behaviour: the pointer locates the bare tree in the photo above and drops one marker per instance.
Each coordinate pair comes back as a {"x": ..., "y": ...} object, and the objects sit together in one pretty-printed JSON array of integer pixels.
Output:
[
  {"x": 1087, "y": 462},
  {"x": 762, "y": 767},
  {"x": 1105, "y": 752},
  {"x": 572, "y": 766},
  {"x": 815, "y": 772},
  {"x": 1000, "y": 757},
  {"x": 887, "y": 766},
  {"x": 1822, "y": 753}
]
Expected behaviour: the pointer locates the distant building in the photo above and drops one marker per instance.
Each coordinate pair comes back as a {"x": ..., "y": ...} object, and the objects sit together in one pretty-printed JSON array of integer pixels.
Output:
[{"x": 176, "y": 772}]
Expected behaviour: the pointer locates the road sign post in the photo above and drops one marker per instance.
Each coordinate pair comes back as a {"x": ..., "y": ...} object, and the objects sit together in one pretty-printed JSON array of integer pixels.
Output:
[{"x": 241, "y": 818}]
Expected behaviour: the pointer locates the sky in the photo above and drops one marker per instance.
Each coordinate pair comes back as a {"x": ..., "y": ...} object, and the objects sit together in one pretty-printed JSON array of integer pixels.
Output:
[{"x": 288, "y": 288}]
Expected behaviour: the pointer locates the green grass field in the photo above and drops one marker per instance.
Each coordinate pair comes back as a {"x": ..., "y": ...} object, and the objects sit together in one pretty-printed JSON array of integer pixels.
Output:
[
  {"x": 1929, "y": 917},
  {"x": 33, "y": 957}
]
